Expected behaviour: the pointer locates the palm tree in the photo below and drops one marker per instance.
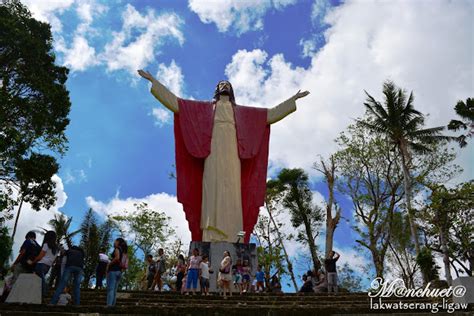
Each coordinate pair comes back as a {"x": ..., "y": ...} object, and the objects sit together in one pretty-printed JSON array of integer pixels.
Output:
[
  {"x": 402, "y": 124},
  {"x": 465, "y": 110},
  {"x": 61, "y": 224}
]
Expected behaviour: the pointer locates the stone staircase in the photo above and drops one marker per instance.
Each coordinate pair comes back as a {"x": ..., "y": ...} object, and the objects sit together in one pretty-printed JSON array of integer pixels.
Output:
[{"x": 152, "y": 303}]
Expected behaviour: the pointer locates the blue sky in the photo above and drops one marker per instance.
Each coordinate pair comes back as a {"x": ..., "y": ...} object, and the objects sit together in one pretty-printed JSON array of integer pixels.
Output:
[{"x": 121, "y": 146}]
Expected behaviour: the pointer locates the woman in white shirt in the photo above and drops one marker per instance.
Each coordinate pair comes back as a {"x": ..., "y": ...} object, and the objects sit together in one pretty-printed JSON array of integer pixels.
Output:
[
  {"x": 46, "y": 258},
  {"x": 225, "y": 273}
]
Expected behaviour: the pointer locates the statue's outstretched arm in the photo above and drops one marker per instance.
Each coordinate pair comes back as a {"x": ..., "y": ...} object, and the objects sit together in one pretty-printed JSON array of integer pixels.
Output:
[
  {"x": 163, "y": 94},
  {"x": 280, "y": 111}
]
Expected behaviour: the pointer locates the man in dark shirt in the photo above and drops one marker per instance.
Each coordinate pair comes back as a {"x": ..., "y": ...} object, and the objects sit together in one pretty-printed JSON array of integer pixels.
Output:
[
  {"x": 331, "y": 272},
  {"x": 28, "y": 251},
  {"x": 74, "y": 268}
]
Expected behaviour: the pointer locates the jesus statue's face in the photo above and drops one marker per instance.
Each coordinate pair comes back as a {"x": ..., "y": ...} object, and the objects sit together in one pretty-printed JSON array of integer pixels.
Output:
[{"x": 224, "y": 88}]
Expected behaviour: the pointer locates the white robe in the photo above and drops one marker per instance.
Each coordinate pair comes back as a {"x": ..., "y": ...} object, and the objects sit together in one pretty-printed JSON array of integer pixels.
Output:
[{"x": 221, "y": 216}]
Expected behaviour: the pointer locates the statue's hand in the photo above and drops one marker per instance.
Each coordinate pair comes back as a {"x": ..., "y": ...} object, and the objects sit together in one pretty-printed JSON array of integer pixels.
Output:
[
  {"x": 145, "y": 74},
  {"x": 300, "y": 94}
]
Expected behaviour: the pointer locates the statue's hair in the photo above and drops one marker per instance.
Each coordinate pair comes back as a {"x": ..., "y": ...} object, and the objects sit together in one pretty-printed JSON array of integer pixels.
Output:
[{"x": 231, "y": 93}]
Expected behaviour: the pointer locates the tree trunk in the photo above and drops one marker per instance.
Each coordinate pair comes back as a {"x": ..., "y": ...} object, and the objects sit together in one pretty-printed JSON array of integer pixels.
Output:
[
  {"x": 287, "y": 259},
  {"x": 378, "y": 262},
  {"x": 331, "y": 222},
  {"x": 329, "y": 238},
  {"x": 312, "y": 245},
  {"x": 407, "y": 188},
  {"x": 16, "y": 219},
  {"x": 411, "y": 219},
  {"x": 444, "y": 247}
]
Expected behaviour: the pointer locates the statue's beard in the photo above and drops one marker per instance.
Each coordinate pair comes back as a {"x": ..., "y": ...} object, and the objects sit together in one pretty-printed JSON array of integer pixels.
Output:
[{"x": 224, "y": 91}]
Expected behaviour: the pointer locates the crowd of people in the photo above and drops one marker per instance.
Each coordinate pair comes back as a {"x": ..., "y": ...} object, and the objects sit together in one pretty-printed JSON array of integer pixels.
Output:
[
  {"x": 66, "y": 269},
  {"x": 196, "y": 270},
  {"x": 319, "y": 281}
]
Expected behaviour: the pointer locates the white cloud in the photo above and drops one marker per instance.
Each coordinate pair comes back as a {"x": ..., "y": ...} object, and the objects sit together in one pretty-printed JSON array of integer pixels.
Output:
[
  {"x": 33, "y": 220},
  {"x": 172, "y": 77},
  {"x": 319, "y": 10},
  {"x": 309, "y": 47},
  {"x": 48, "y": 10},
  {"x": 140, "y": 38},
  {"x": 240, "y": 16},
  {"x": 160, "y": 201},
  {"x": 80, "y": 55},
  {"x": 161, "y": 116},
  {"x": 419, "y": 48}
]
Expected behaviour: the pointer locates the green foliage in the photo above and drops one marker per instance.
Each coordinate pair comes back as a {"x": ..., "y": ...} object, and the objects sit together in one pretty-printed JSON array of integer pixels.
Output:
[
  {"x": 399, "y": 121},
  {"x": 370, "y": 175},
  {"x": 149, "y": 228},
  {"x": 349, "y": 279},
  {"x": 61, "y": 224},
  {"x": 269, "y": 251},
  {"x": 6, "y": 244},
  {"x": 94, "y": 236},
  {"x": 403, "y": 126},
  {"x": 402, "y": 250},
  {"x": 34, "y": 105},
  {"x": 427, "y": 264},
  {"x": 90, "y": 243},
  {"x": 298, "y": 199},
  {"x": 465, "y": 110},
  {"x": 450, "y": 213}
]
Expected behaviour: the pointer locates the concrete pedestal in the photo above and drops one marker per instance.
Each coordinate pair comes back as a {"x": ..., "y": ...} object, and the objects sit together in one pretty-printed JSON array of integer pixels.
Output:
[
  {"x": 468, "y": 283},
  {"x": 215, "y": 251},
  {"x": 27, "y": 289}
]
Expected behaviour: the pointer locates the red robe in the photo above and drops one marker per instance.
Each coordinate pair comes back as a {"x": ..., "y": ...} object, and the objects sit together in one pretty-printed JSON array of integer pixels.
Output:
[{"x": 193, "y": 133}]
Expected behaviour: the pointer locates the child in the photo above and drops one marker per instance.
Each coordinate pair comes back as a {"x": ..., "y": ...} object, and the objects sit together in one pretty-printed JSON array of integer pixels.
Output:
[
  {"x": 260, "y": 277},
  {"x": 204, "y": 275},
  {"x": 64, "y": 298},
  {"x": 237, "y": 273},
  {"x": 246, "y": 276}
]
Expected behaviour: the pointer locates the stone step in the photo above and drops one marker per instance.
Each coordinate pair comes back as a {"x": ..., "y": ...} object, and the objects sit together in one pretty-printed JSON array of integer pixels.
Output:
[{"x": 203, "y": 310}]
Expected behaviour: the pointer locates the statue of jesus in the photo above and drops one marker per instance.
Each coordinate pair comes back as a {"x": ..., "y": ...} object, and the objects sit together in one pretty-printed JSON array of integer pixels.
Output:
[{"x": 221, "y": 159}]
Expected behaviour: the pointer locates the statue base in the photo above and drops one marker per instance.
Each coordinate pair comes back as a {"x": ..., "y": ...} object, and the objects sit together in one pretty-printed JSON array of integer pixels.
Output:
[{"x": 215, "y": 252}]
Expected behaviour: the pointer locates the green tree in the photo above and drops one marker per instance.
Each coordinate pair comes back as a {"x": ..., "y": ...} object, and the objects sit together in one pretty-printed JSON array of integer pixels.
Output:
[
  {"x": 349, "y": 279},
  {"x": 90, "y": 243},
  {"x": 427, "y": 265},
  {"x": 61, "y": 224},
  {"x": 399, "y": 121},
  {"x": 34, "y": 105},
  {"x": 273, "y": 199},
  {"x": 449, "y": 217},
  {"x": 150, "y": 229},
  {"x": 373, "y": 180},
  {"x": 402, "y": 254},
  {"x": 6, "y": 244},
  {"x": 269, "y": 251},
  {"x": 305, "y": 216},
  {"x": 465, "y": 110}
]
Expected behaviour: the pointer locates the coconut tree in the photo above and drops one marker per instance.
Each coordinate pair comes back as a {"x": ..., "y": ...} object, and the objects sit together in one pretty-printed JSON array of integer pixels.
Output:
[
  {"x": 61, "y": 224},
  {"x": 403, "y": 125},
  {"x": 465, "y": 110}
]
